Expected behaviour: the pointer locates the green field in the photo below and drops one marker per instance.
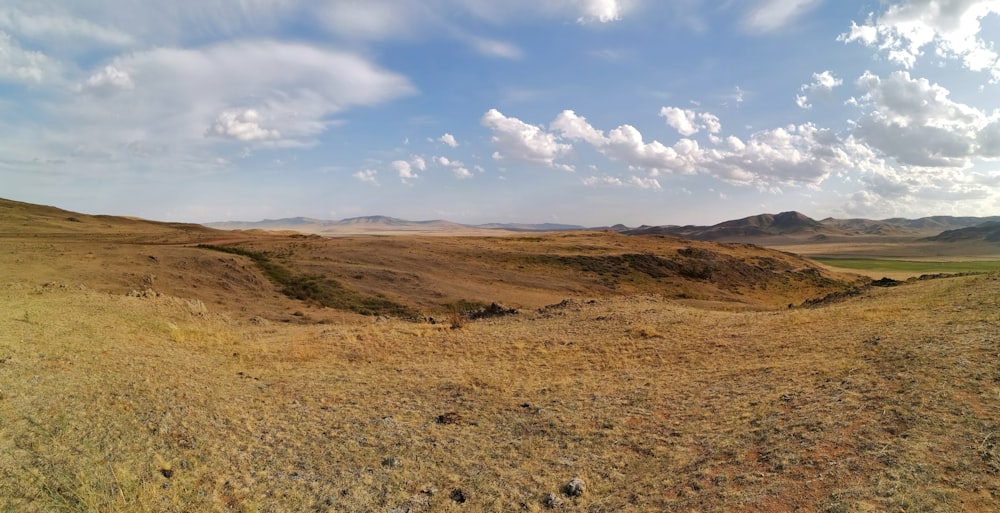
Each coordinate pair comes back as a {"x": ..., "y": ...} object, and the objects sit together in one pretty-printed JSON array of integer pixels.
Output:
[{"x": 874, "y": 264}]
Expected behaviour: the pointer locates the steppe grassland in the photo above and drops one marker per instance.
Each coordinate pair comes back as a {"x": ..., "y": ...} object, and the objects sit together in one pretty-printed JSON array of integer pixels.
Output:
[{"x": 886, "y": 402}]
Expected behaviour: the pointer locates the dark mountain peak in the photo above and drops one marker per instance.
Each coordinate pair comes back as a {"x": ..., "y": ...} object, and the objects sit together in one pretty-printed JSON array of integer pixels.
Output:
[{"x": 989, "y": 232}]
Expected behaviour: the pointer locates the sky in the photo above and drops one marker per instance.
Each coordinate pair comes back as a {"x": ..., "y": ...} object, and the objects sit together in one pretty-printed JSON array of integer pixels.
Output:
[{"x": 589, "y": 112}]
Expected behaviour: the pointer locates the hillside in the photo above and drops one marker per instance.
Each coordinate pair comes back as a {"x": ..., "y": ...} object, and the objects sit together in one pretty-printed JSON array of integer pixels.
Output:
[
  {"x": 886, "y": 401},
  {"x": 988, "y": 232},
  {"x": 167, "y": 367},
  {"x": 275, "y": 276},
  {"x": 749, "y": 229}
]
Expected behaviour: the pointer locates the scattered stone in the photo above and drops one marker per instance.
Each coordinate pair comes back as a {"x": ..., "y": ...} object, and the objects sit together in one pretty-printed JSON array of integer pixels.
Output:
[
  {"x": 429, "y": 490},
  {"x": 153, "y": 259},
  {"x": 458, "y": 495},
  {"x": 552, "y": 501},
  {"x": 258, "y": 321},
  {"x": 575, "y": 487},
  {"x": 494, "y": 310},
  {"x": 74, "y": 219},
  {"x": 145, "y": 293},
  {"x": 391, "y": 462},
  {"x": 450, "y": 418}
]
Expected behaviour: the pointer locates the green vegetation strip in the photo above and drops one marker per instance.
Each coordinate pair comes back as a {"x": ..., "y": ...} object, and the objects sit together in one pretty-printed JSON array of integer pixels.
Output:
[
  {"x": 318, "y": 289},
  {"x": 873, "y": 264}
]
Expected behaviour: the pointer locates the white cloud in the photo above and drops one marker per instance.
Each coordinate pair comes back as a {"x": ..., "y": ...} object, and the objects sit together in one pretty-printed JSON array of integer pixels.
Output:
[
  {"x": 688, "y": 122},
  {"x": 449, "y": 140},
  {"x": 603, "y": 11},
  {"x": 404, "y": 169},
  {"x": 953, "y": 27},
  {"x": 367, "y": 176},
  {"x": 521, "y": 141},
  {"x": 243, "y": 125},
  {"x": 606, "y": 181},
  {"x": 918, "y": 124},
  {"x": 771, "y": 15},
  {"x": 457, "y": 167},
  {"x": 493, "y": 47},
  {"x": 107, "y": 81},
  {"x": 48, "y": 28},
  {"x": 376, "y": 20},
  {"x": 632, "y": 181},
  {"x": 372, "y": 19},
  {"x": 644, "y": 182},
  {"x": 20, "y": 65},
  {"x": 796, "y": 154},
  {"x": 418, "y": 163},
  {"x": 822, "y": 86},
  {"x": 261, "y": 92}
]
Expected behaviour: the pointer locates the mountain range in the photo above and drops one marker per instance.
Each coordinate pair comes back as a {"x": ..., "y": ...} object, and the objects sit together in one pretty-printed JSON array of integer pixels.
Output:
[{"x": 767, "y": 227}]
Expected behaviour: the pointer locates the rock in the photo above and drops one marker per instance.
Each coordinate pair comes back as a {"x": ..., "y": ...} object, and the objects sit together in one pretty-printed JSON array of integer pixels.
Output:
[
  {"x": 458, "y": 495},
  {"x": 450, "y": 418},
  {"x": 575, "y": 487},
  {"x": 391, "y": 462},
  {"x": 552, "y": 501}
]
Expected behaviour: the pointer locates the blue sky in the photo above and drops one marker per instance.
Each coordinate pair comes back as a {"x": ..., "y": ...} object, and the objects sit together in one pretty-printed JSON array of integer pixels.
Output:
[{"x": 589, "y": 112}]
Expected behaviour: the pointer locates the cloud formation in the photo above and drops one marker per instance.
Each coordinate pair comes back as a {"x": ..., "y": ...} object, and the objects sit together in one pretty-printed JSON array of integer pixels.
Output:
[
  {"x": 243, "y": 125},
  {"x": 688, "y": 122},
  {"x": 26, "y": 66},
  {"x": 916, "y": 123},
  {"x": 367, "y": 176},
  {"x": 822, "y": 86},
  {"x": 771, "y": 15},
  {"x": 952, "y": 27},
  {"x": 518, "y": 140}
]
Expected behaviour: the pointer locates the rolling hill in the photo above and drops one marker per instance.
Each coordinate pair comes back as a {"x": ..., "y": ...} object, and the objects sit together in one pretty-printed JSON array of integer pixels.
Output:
[
  {"x": 988, "y": 232},
  {"x": 168, "y": 367},
  {"x": 748, "y": 229}
]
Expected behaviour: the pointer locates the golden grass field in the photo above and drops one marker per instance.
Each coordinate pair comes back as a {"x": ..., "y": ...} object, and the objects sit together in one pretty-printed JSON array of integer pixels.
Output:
[{"x": 210, "y": 390}]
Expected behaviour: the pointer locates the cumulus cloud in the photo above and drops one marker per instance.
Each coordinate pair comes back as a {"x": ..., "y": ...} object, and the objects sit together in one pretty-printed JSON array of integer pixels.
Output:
[
  {"x": 796, "y": 154},
  {"x": 771, "y": 15},
  {"x": 688, "y": 122},
  {"x": 243, "y": 125},
  {"x": 918, "y": 124},
  {"x": 404, "y": 169},
  {"x": 408, "y": 169},
  {"x": 458, "y": 169},
  {"x": 952, "y": 27},
  {"x": 449, "y": 140},
  {"x": 638, "y": 182},
  {"x": 521, "y": 141},
  {"x": 107, "y": 81},
  {"x": 367, "y": 176},
  {"x": 822, "y": 86},
  {"x": 20, "y": 65}
]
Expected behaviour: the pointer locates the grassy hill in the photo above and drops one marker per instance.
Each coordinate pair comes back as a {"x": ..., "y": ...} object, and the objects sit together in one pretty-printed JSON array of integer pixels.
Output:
[{"x": 150, "y": 367}]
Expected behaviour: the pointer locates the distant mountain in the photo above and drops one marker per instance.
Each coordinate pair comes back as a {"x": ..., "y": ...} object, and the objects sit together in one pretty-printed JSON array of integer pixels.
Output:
[
  {"x": 522, "y": 227},
  {"x": 381, "y": 224},
  {"x": 942, "y": 223},
  {"x": 989, "y": 232},
  {"x": 784, "y": 224}
]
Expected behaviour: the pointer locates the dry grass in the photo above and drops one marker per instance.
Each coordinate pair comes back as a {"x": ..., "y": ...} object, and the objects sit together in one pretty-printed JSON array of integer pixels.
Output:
[
  {"x": 675, "y": 379},
  {"x": 886, "y": 402}
]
